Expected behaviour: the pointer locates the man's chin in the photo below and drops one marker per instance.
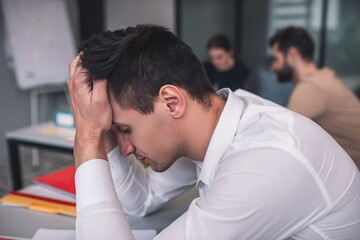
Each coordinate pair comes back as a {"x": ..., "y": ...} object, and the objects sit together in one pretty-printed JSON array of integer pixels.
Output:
[
  {"x": 285, "y": 75},
  {"x": 159, "y": 168}
]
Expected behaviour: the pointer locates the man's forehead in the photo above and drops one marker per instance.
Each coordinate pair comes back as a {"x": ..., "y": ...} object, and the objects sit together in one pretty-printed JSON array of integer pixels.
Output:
[
  {"x": 217, "y": 50},
  {"x": 122, "y": 117},
  {"x": 113, "y": 101}
]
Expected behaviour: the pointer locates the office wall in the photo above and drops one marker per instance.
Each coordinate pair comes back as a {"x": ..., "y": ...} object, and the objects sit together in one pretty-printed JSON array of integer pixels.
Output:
[
  {"x": 254, "y": 45},
  {"x": 342, "y": 52},
  {"x": 124, "y": 13},
  {"x": 15, "y": 103},
  {"x": 254, "y": 31},
  {"x": 201, "y": 19}
]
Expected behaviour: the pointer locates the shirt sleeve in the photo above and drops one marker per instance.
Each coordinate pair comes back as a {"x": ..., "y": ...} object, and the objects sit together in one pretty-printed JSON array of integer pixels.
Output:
[
  {"x": 99, "y": 214},
  {"x": 142, "y": 191},
  {"x": 307, "y": 100}
]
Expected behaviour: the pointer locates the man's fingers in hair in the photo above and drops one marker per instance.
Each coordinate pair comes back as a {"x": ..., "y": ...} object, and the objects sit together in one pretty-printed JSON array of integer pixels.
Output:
[
  {"x": 71, "y": 93},
  {"x": 73, "y": 65},
  {"x": 78, "y": 81},
  {"x": 99, "y": 91}
]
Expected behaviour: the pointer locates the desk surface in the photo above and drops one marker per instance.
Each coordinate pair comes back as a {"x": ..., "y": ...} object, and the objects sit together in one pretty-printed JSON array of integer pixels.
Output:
[
  {"x": 21, "y": 222},
  {"x": 45, "y": 133}
]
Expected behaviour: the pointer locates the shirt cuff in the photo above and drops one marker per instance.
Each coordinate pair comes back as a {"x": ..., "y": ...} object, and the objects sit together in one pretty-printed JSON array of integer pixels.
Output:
[{"x": 93, "y": 183}]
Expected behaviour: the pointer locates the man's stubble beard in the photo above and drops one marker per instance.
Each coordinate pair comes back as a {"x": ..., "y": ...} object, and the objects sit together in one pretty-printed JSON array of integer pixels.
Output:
[{"x": 286, "y": 74}]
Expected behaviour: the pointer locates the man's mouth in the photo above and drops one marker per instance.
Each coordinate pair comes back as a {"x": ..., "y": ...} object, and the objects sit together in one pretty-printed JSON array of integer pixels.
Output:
[{"x": 142, "y": 159}]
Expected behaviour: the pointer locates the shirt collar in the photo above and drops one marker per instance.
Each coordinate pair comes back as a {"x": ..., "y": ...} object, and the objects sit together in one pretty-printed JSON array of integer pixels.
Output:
[{"x": 223, "y": 134}]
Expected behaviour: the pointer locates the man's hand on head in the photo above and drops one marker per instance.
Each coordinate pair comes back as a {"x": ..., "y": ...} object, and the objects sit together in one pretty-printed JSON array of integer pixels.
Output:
[{"x": 92, "y": 113}]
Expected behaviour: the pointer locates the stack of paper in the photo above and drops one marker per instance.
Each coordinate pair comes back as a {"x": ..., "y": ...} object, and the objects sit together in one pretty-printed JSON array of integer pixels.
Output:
[
  {"x": 42, "y": 191},
  {"x": 39, "y": 203},
  {"x": 52, "y": 193}
]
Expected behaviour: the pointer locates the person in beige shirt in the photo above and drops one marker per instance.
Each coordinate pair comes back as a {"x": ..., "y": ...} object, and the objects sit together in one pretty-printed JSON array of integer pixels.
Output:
[{"x": 318, "y": 94}]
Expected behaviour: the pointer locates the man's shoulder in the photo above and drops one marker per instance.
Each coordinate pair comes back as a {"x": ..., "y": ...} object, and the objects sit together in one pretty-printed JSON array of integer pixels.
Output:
[
  {"x": 320, "y": 76},
  {"x": 318, "y": 85},
  {"x": 307, "y": 98},
  {"x": 307, "y": 89},
  {"x": 241, "y": 93},
  {"x": 305, "y": 86},
  {"x": 327, "y": 71}
]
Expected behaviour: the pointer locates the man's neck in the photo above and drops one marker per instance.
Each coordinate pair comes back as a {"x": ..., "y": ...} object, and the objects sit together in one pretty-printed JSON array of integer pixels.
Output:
[
  {"x": 303, "y": 69},
  {"x": 200, "y": 127}
]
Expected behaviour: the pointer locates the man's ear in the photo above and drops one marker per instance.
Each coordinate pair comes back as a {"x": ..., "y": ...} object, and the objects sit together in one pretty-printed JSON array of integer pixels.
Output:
[
  {"x": 292, "y": 56},
  {"x": 173, "y": 99}
]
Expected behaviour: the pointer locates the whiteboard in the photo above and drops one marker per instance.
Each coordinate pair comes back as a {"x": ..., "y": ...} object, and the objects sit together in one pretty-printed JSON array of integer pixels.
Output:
[{"x": 41, "y": 41}]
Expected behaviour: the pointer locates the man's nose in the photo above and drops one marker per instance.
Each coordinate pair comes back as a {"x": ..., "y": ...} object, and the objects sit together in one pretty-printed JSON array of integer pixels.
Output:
[{"x": 126, "y": 147}]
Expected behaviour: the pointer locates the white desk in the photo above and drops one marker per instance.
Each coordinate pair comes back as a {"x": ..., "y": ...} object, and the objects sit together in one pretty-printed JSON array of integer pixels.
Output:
[
  {"x": 43, "y": 136},
  {"x": 21, "y": 222}
]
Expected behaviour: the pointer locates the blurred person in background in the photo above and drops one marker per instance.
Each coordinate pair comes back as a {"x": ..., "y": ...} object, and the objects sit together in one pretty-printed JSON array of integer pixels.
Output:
[
  {"x": 318, "y": 94},
  {"x": 225, "y": 69}
]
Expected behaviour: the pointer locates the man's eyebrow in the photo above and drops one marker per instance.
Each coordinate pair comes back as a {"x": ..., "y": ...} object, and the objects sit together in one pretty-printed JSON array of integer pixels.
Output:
[
  {"x": 118, "y": 124},
  {"x": 115, "y": 123}
]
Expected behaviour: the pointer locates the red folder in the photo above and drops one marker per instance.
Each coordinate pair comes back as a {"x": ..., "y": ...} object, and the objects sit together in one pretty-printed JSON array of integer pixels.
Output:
[{"x": 62, "y": 181}]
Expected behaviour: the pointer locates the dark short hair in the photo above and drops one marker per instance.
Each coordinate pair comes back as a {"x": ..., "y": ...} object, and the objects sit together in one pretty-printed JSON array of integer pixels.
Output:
[
  {"x": 219, "y": 41},
  {"x": 138, "y": 61},
  {"x": 294, "y": 37}
]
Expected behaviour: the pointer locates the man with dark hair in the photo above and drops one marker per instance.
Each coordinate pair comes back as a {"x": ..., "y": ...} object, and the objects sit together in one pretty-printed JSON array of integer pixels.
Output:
[
  {"x": 225, "y": 70},
  {"x": 319, "y": 94},
  {"x": 263, "y": 172}
]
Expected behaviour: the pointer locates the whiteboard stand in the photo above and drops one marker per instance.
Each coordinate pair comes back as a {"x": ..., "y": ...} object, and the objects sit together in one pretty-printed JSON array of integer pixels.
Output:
[
  {"x": 34, "y": 113},
  {"x": 34, "y": 120}
]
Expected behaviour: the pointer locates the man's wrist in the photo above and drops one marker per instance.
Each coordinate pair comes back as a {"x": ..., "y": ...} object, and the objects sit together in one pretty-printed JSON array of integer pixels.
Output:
[{"x": 89, "y": 146}]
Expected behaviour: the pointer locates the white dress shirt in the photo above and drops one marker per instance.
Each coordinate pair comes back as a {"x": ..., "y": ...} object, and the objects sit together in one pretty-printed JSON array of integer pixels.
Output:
[{"x": 268, "y": 173}]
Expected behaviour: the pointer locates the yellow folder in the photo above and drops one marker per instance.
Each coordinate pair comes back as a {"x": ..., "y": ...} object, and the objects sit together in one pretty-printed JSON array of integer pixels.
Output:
[{"x": 40, "y": 205}]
